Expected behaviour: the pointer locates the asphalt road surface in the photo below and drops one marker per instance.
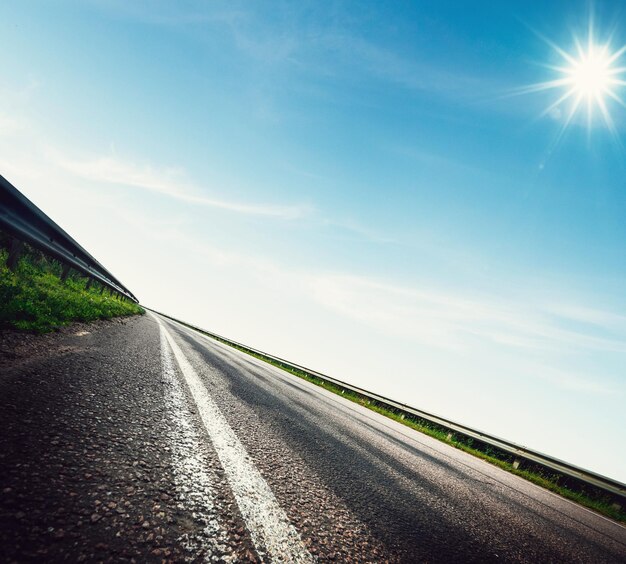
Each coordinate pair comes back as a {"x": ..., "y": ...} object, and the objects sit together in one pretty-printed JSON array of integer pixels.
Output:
[{"x": 142, "y": 440}]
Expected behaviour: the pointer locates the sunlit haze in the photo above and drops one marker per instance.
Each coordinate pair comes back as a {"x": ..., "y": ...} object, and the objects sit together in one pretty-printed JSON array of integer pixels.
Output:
[{"x": 354, "y": 188}]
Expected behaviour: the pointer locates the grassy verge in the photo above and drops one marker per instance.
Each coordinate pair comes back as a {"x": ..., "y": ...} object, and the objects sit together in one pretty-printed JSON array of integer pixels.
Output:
[
  {"x": 33, "y": 297},
  {"x": 569, "y": 488}
]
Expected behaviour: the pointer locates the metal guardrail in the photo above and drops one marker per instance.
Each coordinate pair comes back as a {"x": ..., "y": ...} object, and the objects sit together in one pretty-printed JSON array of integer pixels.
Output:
[
  {"x": 24, "y": 221},
  {"x": 517, "y": 451}
]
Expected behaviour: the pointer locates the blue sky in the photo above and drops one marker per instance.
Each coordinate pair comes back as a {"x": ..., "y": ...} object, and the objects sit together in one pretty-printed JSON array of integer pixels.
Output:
[{"x": 350, "y": 185}]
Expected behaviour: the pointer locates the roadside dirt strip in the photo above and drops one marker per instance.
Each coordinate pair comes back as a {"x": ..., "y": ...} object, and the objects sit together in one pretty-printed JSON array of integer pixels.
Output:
[{"x": 141, "y": 440}]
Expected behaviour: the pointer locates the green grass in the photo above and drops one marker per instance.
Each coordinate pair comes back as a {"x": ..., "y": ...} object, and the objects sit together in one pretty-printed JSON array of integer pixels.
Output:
[
  {"x": 574, "y": 490},
  {"x": 33, "y": 297}
]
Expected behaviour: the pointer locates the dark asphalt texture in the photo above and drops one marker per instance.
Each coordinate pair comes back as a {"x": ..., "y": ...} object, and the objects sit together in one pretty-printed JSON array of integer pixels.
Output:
[
  {"x": 91, "y": 451},
  {"x": 86, "y": 470}
]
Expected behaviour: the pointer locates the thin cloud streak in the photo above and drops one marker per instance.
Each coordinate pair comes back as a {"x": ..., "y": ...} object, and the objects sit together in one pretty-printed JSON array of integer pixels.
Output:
[
  {"x": 169, "y": 182},
  {"x": 446, "y": 320},
  {"x": 265, "y": 41}
]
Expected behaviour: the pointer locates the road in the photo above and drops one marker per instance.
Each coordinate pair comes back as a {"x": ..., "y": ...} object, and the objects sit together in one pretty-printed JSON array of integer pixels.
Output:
[{"x": 141, "y": 439}]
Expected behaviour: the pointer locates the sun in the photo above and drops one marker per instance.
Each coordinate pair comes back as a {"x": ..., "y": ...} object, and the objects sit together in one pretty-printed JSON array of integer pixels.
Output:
[
  {"x": 590, "y": 78},
  {"x": 591, "y": 75}
]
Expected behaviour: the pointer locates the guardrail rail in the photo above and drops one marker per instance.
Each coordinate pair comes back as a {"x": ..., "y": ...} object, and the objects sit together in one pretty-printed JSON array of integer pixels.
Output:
[
  {"x": 518, "y": 452},
  {"x": 25, "y": 222}
]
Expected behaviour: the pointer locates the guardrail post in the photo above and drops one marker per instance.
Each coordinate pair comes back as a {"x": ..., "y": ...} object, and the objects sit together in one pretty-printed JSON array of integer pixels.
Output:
[
  {"x": 65, "y": 273},
  {"x": 449, "y": 436},
  {"x": 516, "y": 463},
  {"x": 14, "y": 253},
  {"x": 89, "y": 283}
]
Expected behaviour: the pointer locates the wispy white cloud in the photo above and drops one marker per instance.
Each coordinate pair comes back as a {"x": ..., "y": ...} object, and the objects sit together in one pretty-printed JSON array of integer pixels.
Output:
[
  {"x": 331, "y": 47},
  {"x": 573, "y": 381},
  {"x": 10, "y": 125},
  {"x": 359, "y": 230},
  {"x": 451, "y": 320},
  {"x": 19, "y": 93},
  {"x": 173, "y": 182},
  {"x": 168, "y": 13},
  {"x": 591, "y": 316},
  {"x": 387, "y": 64},
  {"x": 170, "y": 182}
]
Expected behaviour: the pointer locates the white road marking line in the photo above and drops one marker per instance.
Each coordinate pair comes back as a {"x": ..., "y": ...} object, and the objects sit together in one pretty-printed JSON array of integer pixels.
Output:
[
  {"x": 194, "y": 483},
  {"x": 267, "y": 523}
]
